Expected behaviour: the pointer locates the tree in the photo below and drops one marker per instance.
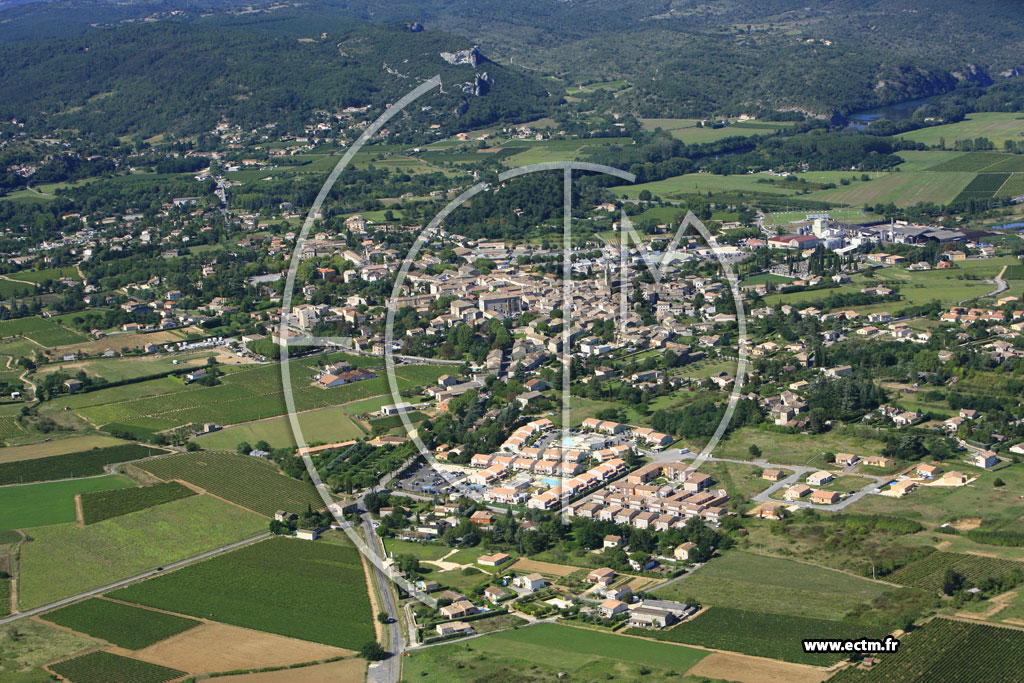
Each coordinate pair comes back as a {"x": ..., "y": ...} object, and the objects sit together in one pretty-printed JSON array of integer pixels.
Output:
[
  {"x": 998, "y": 482},
  {"x": 373, "y": 651},
  {"x": 244, "y": 448},
  {"x": 952, "y": 582},
  {"x": 754, "y": 450},
  {"x": 383, "y": 617}
]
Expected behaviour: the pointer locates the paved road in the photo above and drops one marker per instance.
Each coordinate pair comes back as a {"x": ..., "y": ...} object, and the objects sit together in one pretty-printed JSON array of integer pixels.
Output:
[
  {"x": 388, "y": 670},
  {"x": 133, "y": 579},
  {"x": 798, "y": 471}
]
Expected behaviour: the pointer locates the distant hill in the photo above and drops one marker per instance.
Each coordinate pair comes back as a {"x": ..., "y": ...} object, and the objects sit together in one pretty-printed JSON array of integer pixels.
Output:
[
  {"x": 679, "y": 57},
  {"x": 184, "y": 77}
]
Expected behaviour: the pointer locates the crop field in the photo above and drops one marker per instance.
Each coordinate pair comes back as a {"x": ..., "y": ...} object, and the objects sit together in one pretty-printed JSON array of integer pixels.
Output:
[
  {"x": 104, "y": 667},
  {"x": 1013, "y": 187},
  {"x": 69, "y": 465},
  {"x": 754, "y": 582},
  {"x": 246, "y": 394},
  {"x": 948, "y": 650},
  {"x": 5, "y": 597},
  {"x": 256, "y": 587},
  {"x": 983, "y": 186},
  {"x": 996, "y": 126},
  {"x": 546, "y": 650},
  {"x": 51, "y": 503},
  {"x": 978, "y": 162},
  {"x": 43, "y": 332},
  {"x": 64, "y": 559},
  {"x": 117, "y": 369},
  {"x": 250, "y": 482},
  {"x": 10, "y": 289},
  {"x": 43, "y": 275},
  {"x": 123, "y": 625},
  {"x": 100, "y": 505},
  {"x": 929, "y": 572},
  {"x": 902, "y": 189},
  {"x": 691, "y": 183},
  {"x": 763, "y": 634},
  {"x": 9, "y": 427},
  {"x": 329, "y": 424},
  {"x": 690, "y": 133}
]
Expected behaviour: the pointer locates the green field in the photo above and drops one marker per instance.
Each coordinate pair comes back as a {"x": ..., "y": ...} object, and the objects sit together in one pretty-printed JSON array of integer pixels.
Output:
[
  {"x": 688, "y": 131},
  {"x": 5, "y": 597},
  {"x": 328, "y": 425},
  {"x": 1013, "y": 187},
  {"x": 424, "y": 551},
  {"x": 902, "y": 189},
  {"x": 691, "y": 183},
  {"x": 930, "y": 571},
  {"x": 762, "y": 634},
  {"x": 118, "y": 369},
  {"x": 57, "y": 446},
  {"x": 43, "y": 332},
  {"x": 51, "y": 503},
  {"x": 769, "y": 584},
  {"x": 43, "y": 275},
  {"x": 978, "y": 162},
  {"x": 947, "y": 650},
  {"x": 250, "y": 482},
  {"x": 545, "y": 649},
  {"x": 64, "y": 559},
  {"x": 245, "y": 394},
  {"x": 310, "y": 590},
  {"x": 126, "y": 626},
  {"x": 27, "y": 645},
  {"x": 69, "y": 465},
  {"x": 765, "y": 278},
  {"x": 996, "y": 126},
  {"x": 100, "y": 505},
  {"x": 104, "y": 667},
  {"x": 794, "y": 449}
]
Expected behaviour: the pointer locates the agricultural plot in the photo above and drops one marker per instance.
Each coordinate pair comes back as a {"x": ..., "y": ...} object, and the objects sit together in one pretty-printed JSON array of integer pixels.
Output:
[
  {"x": 929, "y": 572},
  {"x": 9, "y": 427},
  {"x": 902, "y": 189},
  {"x": 5, "y": 597},
  {"x": 329, "y": 424},
  {"x": 1013, "y": 187},
  {"x": 44, "y": 275},
  {"x": 64, "y": 559},
  {"x": 546, "y": 650},
  {"x": 100, "y": 505},
  {"x": 255, "y": 587},
  {"x": 250, "y": 482},
  {"x": 983, "y": 186},
  {"x": 248, "y": 394},
  {"x": 692, "y": 183},
  {"x": 996, "y": 126},
  {"x": 763, "y": 634},
  {"x": 754, "y": 582},
  {"x": 947, "y": 650},
  {"x": 47, "y": 449},
  {"x": 104, "y": 667},
  {"x": 976, "y": 162},
  {"x": 10, "y": 289},
  {"x": 70, "y": 465},
  {"x": 51, "y": 503},
  {"x": 123, "y": 625}
]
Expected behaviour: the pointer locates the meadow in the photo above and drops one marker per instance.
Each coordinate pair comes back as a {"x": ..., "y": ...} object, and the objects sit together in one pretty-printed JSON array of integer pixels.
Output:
[
  {"x": 64, "y": 559},
  {"x": 327, "y": 425},
  {"x": 548, "y": 649},
  {"x": 27, "y": 645},
  {"x": 996, "y": 126},
  {"x": 103, "y": 667},
  {"x": 309, "y": 590},
  {"x": 770, "y": 584},
  {"x": 126, "y": 626},
  {"x": 46, "y": 449},
  {"x": 794, "y": 449},
  {"x": 69, "y": 465},
  {"x": 100, "y": 505},
  {"x": 947, "y": 650},
  {"x": 251, "y": 482},
  {"x": 245, "y": 394},
  {"x": 50, "y": 503},
  {"x": 902, "y": 189},
  {"x": 762, "y": 634},
  {"x": 118, "y": 369},
  {"x": 690, "y": 133}
]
